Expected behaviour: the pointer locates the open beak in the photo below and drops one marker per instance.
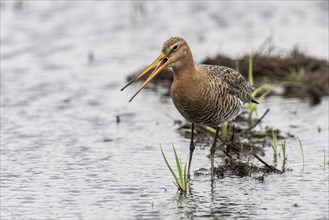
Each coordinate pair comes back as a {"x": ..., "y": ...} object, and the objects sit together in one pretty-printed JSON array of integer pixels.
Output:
[{"x": 161, "y": 62}]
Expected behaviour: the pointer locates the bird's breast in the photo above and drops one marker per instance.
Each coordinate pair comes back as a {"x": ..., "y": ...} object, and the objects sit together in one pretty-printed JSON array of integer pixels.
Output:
[
  {"x": 189, "y": 100},
  {"x": 205, "y": 102}
]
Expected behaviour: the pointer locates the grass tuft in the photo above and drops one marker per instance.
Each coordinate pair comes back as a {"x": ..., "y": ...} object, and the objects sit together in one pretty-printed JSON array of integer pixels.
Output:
[{"x": 181, "y": 179}]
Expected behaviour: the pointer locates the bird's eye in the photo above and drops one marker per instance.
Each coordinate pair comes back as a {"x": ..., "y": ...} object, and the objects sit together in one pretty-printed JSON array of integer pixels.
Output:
[{"x": 175, "y": 47}]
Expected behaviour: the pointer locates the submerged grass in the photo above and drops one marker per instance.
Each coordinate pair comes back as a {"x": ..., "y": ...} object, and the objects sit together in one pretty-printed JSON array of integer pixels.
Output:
[
  {"x": 301, "y": 149},
  {"x": 284, "y": 152},
  {"x": 181, "y": 181},
  {"x": 275, "y": 148}
]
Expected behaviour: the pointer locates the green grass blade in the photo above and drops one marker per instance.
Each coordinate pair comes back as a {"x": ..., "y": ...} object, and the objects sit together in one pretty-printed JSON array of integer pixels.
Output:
[
  {"x": 185, "y": 177},
  {"x": 250, "y": 71},
  {"x": 168, "y": 165},
  {"x": 264, "y": 89},
  {"x": 283, "y": 146},
  {"x": 212, "y": 130},
  {"x": 224, "y": 133},
  {"x": 260, "y": 98},
  {"x": 178, "y": 167},
  {"x": 275, "y": 143}
]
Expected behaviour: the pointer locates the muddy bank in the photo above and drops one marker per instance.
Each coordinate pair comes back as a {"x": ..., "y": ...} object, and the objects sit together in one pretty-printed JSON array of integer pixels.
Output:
[
  {"x": 233, "y": 167},
  {"x": 298, "y": 74}
]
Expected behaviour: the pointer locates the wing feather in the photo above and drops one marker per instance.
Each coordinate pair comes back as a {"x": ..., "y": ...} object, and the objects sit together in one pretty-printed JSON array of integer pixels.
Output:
[{"x": 237, "y": 85}]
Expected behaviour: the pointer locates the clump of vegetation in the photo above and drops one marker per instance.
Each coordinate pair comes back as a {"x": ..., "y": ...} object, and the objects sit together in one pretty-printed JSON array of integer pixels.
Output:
[
  {"x": 181, "y": 181},
  {"x": 239, "y": 168}
]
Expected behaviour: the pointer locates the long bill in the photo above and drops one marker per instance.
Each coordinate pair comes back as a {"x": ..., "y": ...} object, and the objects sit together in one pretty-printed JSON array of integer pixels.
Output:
[
  {"x": 161, "y": 62},
  {"x": 145, "y": 71}
]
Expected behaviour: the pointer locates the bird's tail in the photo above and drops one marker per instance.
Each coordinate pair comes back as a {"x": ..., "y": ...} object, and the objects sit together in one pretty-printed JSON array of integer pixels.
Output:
[{"x": 254, "y": 101}]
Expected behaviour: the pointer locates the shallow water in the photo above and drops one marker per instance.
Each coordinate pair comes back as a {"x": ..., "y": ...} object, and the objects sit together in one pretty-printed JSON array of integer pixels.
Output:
[{"x": 63, "y": 154}]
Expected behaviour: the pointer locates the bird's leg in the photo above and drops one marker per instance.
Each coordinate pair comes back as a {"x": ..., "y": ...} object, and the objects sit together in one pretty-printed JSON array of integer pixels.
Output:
[
  {"x": 192, "y": 147},
  {"x": 212, "y": 153}
]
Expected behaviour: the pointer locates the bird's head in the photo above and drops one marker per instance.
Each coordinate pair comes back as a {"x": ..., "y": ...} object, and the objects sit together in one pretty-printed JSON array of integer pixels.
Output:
[{"x": 174, "y": 51}]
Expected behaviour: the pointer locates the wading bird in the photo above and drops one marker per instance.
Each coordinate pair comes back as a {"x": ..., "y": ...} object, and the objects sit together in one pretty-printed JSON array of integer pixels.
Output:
[{"x": 203, "y": 94}]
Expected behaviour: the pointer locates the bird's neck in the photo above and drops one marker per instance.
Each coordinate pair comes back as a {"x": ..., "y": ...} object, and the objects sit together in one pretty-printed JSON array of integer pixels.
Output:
[{"x": 185, "y": 68}]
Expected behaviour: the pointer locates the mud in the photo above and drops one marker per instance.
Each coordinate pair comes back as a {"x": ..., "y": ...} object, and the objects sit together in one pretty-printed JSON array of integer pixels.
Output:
[{"x": 234, "y": 167}]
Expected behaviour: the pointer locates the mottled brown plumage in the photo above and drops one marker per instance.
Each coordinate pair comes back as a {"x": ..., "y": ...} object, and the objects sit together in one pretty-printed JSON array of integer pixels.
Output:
[
  {"x": 206, "y": 93},
  {"x": 215, "y": 96},
  {"x": 203, "y": 94}
]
